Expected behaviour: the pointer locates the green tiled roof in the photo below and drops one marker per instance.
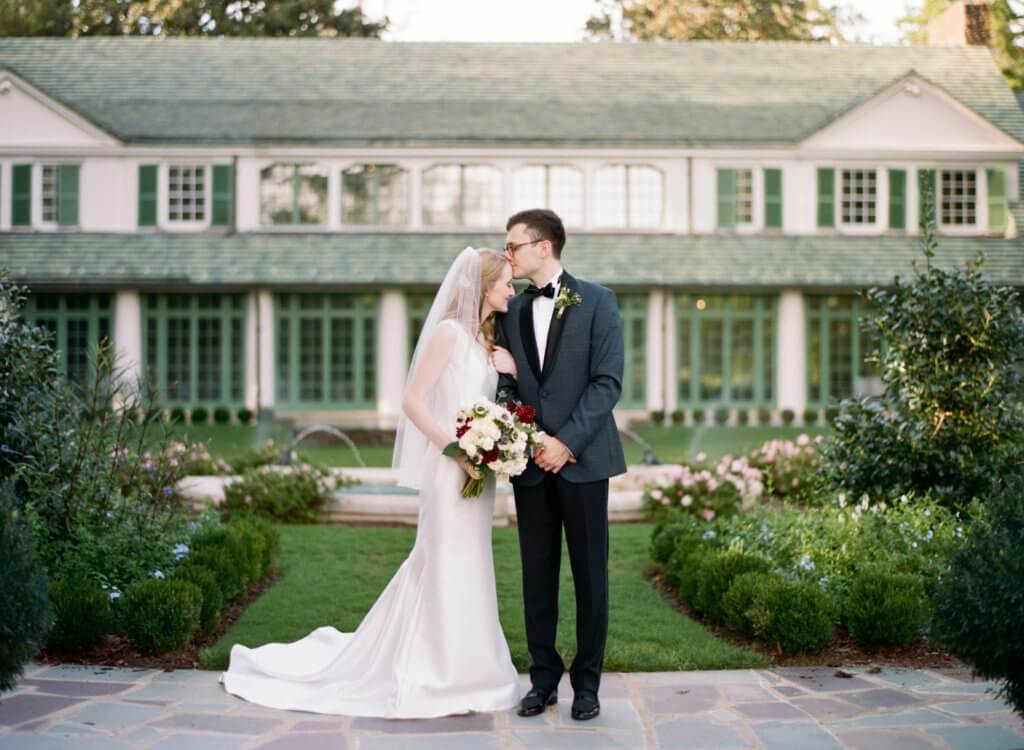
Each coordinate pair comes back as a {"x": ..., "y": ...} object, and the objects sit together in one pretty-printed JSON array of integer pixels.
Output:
[
  {"x": 365, "y": 92},
  {"x": 387, "y": 260}
]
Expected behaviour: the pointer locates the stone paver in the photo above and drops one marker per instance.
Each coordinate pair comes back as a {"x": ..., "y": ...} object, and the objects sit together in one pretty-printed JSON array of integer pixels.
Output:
[{"x": 98, "y": 708}]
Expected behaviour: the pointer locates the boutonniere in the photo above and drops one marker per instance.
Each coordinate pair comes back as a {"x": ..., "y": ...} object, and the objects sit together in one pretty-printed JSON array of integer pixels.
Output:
[{"x": 566, "y": 298}]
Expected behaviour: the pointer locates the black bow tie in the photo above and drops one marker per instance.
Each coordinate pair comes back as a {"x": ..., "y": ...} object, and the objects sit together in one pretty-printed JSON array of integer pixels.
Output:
[{"x": 547, "y": 290}]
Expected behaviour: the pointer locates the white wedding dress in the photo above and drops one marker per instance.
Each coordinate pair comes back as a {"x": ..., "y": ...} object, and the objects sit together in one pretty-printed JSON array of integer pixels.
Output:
[{"x": 432, "y": 644}]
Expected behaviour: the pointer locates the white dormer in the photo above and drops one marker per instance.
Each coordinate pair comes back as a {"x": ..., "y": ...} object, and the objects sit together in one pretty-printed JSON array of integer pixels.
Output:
[
  {"x": 913, "y": 116},
  {"x": 29, "y": 118}
]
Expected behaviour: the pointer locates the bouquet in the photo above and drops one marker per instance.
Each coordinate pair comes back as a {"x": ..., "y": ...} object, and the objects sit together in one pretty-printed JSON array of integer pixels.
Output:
[{"x": 498, "y": 439}]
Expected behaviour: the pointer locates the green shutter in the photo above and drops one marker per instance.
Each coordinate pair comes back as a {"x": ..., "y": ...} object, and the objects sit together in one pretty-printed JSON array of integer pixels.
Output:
[
  {"x": 21, "y": 195},
  {"x": 773, "y": 198},
  {"x": 826, "y": 197},
  {"x": 998, "y": 210},
  {"x": 897, "y": 199},
  {"x": 67, "y": 195},
  {"x": 147, "y": 195},
  {"x": 927, "y": 178},
  {"x": 222, "y": 195},
  {"x": 726, "y": 198}
]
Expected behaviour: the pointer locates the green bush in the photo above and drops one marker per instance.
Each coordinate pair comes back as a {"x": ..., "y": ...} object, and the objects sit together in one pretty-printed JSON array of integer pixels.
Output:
[
  {"x": 885, "y": 608},
  {"x": 244, "y": 416},
  {"x": 698, "y": 416},
  {"x": 82, "y": 610},
  {"x": 221, "y": 415},
  {"x": 664, "y": 538},
  {"x": 788, "y": 416},
  {"x": 296, "y": 496},
  {"x": 721, "y": 416},
  {"x": 272, "y": 543},
  {"x": 831, "y": 415},
  {"x": 950, "y": 420},
  {"x": 677, "y": 416},
  {"x": 738, "y": 602},
  {"x": 177, "y": 415},
  {"x": 205, "y": 580},
  {"x": 743, "y": 417},
  {"x": 160, "y": 616},
  {"x": 25, "y": 610},
  {"x": 225, "y": 564},
  {"x": 252, "y": 546},
  {"x": 716, "y": 574},
  {"x": 980, "y": 605},
  {"x": 764, "y": 416},
  {"x": 686, "y": 574},
  {"x": 810, "y": 416},
  {"x": 794, "y": 616},
  {"x": 657, "y": 418},
  {"x": 199, "y": 415}
]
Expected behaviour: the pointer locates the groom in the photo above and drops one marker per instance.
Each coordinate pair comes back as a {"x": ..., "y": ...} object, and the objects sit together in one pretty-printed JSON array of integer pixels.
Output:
[{"x": 565, "y": 336}]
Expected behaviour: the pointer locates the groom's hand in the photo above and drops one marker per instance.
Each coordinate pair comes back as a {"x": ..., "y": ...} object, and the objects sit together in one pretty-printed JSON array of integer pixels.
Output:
[{"x": 554, "y": 455}]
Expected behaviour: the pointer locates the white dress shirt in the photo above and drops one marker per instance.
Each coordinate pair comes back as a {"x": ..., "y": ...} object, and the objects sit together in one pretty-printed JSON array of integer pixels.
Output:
[{"x": 543, "y": 309}]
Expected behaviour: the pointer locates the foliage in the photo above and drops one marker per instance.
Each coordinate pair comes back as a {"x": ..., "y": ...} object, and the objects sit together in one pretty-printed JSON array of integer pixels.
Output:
[
  {"x": 199, "y": 415},
  {"x": 193, "y": 459},
  {"x": 82, "y": 610},
  {"x": 161, "y": 616},
  {"x": 26, "y": 614},
  {"x": 742, "y": 20},
  {"x": 914, "y": 24},
  {"x": 795, "y": 616},
  {"x": 205, "y": 580},
  {"x": 791, "y": 469},
  {"x": 97, "y": 507},
  {"x": 739, "y": 600},
  {"x": 980, "y": 605},
  {"x": 244, "y": 416},
  {"x": 885, "y": 608},
  {"x": 222, "y": 415},
  {"x": 950, "y": 420},
  {"x": 296, "y": 494},
  {"x": 716, "y": 574},
  {"x": 248, "y": 18}
]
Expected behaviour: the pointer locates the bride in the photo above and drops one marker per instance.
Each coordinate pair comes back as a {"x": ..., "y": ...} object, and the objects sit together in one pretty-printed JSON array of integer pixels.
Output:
[{"x": 432, "y": 644}]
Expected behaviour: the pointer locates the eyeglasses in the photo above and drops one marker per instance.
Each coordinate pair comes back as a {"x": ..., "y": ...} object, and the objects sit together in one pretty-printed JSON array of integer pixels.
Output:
[{"x": 510, "y": 248}]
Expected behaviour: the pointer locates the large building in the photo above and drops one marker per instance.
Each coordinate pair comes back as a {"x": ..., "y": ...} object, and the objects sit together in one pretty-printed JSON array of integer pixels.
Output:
[{"x": 260, "y": 223}]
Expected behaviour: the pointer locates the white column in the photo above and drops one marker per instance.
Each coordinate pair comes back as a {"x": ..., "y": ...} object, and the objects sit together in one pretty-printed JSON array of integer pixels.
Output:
[
  {"x": 668, "y": 343},
  {"x": 252, "y": 348},
  {"x": 792, "y": 357},
  {"x": 392, "y": 355},
  {"x": 265, "y": 349},
  {"x": 655, "y": 354},
  {"x": 128, "y": 334}
]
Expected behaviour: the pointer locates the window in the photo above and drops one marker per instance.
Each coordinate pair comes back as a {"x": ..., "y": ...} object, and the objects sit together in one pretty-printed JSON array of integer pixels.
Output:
[
  {"x": 462, "y": 195},
  {"x": 837, "y": 346},
  {"x": 57, "y": 201},
  {"x": 629, "y": 196},
  {"x": 77, "y": 324},
  {"x": 725, "y": 350},
  {"x": 326, "y": 350},
  {"x": 194, "y": 347},
  {"x": 186, "y": 194},
  {"x": 49, "y": 194},
  {"x": 557, "y": 187},
  {"x": 292, "y": 194},
  {"x": 860, "y": 196},
  {"x": 633, "y": 309},
  {"x": 375, "y": 194},
  {"x": 735, "y": 189},
  {"x": 959, "y": 190}
]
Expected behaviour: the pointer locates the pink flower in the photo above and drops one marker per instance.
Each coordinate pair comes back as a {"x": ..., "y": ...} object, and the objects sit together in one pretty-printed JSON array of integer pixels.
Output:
[
  {"x": 701, "y": 457},
  {"x": 709, "y": 515},
  {"x": 248, "y": 499}
]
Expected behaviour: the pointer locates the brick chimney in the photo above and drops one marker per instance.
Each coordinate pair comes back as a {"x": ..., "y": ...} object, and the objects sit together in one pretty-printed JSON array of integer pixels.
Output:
[{"x": 966, "y": 22}]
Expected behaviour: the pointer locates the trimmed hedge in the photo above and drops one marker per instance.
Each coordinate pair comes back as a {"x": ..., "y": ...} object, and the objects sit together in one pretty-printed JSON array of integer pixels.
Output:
[
  {"x": 885, "y": 608},
  {"x": 162, "y": 616},
  {"x": 82, "y": 610}
]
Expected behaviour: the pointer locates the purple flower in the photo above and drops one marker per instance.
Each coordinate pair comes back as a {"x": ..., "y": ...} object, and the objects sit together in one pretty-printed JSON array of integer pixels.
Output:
[{"x": 168, "y": 491}]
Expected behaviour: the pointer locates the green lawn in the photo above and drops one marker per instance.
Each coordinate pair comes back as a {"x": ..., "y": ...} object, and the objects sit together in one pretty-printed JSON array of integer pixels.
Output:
[
  {"x": 331, "y": 575},
  {"x": 671, "y": 444}
]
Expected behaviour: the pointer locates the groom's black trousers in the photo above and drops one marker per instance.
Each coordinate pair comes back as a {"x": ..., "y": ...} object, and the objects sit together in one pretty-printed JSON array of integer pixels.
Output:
[{"x": 542, "y": 510}]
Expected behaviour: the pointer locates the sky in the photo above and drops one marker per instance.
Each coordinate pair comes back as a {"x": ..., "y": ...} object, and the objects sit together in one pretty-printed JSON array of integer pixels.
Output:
[{"x": 552, "y": 20}]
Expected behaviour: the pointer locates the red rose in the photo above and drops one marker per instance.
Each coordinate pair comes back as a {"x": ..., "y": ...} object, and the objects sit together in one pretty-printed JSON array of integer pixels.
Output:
[
  {"x": 526, "y": 414},
  {"x": 511, "y": 406},
  {"x": 490, "y": 456},
  {"x": 459, "y": 432}
]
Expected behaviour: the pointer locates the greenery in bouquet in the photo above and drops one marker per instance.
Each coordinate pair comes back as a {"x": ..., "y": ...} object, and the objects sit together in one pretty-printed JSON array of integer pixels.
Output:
[{"x": 498, "y": 439}]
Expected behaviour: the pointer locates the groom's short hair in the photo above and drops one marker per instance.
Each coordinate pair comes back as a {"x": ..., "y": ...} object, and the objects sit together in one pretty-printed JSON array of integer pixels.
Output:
[{"x": 544, "y": 224}]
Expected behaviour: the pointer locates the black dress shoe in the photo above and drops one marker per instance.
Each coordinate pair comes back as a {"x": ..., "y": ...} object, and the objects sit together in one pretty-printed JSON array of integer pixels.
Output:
[
  {"x": 585, "y": 705},
  {"x": 535, "y": 701}
]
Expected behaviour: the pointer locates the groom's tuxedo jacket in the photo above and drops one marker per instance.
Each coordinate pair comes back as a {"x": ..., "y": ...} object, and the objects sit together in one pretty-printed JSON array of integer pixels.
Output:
[{"x": 580, "y": 383}]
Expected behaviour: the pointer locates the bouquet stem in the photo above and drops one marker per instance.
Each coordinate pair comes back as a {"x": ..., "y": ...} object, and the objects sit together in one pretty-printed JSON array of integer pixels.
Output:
[{"x": 473, "y": 487}]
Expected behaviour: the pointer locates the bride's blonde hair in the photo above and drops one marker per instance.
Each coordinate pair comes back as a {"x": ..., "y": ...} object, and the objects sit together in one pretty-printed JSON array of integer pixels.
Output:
[{"x": 492, "y": 264}]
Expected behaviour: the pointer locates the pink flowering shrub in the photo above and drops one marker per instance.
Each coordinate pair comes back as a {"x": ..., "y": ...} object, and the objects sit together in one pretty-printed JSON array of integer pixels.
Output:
[{"x": 791, "y": 469}]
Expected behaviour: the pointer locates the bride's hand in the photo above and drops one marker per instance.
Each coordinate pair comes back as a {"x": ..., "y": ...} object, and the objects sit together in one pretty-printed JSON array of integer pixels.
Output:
[
  {"x": 467, "y": 466},
  {"x": 503, "y": 361}
]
